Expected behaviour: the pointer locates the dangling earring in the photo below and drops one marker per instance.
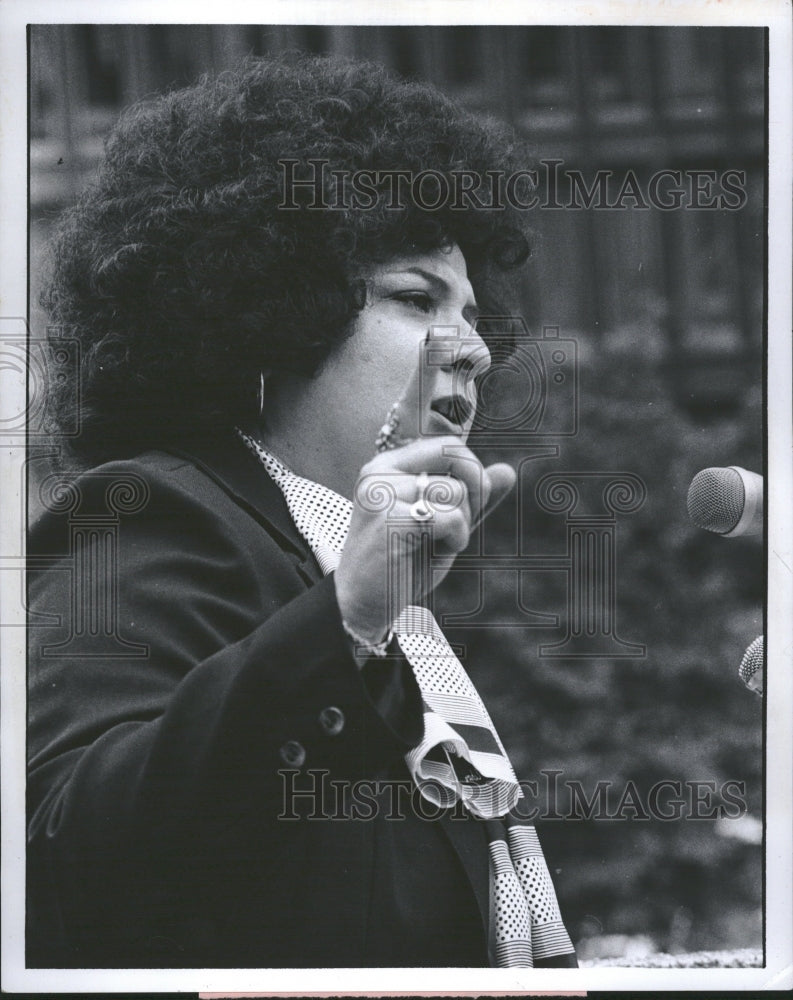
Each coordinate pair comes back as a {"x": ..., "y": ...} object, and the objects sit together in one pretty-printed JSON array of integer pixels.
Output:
[{"x": 260, "y": 395}]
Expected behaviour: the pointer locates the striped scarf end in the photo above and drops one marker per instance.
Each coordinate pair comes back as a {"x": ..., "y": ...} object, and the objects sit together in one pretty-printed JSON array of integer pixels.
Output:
[{"x": 514, "y": 954}]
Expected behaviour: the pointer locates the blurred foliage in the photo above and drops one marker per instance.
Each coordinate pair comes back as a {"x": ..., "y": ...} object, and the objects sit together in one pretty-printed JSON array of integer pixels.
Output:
[{"x": 679, "y": 713}]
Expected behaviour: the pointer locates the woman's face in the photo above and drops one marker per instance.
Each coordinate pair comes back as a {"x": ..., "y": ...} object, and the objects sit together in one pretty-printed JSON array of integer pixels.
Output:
[{"x": 325, "y": 427}]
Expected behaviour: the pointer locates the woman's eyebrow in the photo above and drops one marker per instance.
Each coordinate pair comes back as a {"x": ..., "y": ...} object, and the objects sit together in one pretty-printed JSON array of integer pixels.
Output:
[{"x": 470, "y": 310}]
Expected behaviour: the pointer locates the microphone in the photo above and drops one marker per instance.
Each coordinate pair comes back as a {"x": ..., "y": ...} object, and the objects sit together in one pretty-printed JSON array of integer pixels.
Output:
[
  {"x": 727, "y": 501},
  {"x": 752, "y": 668}
]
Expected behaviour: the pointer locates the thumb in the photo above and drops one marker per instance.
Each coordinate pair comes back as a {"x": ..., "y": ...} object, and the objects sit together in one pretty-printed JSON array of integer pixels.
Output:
[{"x": 502, "y": 478}]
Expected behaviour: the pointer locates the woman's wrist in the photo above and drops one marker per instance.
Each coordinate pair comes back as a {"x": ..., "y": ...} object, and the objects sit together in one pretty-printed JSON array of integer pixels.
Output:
[{"x": 366, "y": 625}]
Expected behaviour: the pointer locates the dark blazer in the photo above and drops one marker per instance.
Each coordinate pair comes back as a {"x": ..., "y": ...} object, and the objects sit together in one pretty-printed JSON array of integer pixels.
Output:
[{"x": 188, "y": 673}]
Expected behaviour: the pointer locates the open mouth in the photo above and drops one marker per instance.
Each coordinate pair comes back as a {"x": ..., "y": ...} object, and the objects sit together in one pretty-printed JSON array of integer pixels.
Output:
[{"x": 456, "y": 409}]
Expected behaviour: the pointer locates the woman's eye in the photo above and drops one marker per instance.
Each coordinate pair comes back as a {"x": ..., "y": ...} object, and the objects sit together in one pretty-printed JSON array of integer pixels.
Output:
[{"x": 419, "y": 300}]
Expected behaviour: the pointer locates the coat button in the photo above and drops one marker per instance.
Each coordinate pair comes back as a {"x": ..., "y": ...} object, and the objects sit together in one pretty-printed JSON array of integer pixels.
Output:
[
  {"x": 293, "y": 753},
  {"x": 332, "y": 720}
]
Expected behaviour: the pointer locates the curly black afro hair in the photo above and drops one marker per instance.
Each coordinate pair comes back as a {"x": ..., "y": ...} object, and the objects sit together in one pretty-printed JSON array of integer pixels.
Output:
[{"x": 182, "y": 278}]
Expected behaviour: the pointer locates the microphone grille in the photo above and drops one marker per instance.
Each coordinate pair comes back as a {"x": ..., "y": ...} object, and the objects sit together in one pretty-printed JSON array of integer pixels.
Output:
[
  {"x": 753, "y": 660},
  {"x": 716, "y": 499}
]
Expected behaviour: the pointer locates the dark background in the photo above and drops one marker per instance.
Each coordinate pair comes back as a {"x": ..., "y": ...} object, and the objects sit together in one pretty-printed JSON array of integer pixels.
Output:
[{"x": 666, "y": 309}]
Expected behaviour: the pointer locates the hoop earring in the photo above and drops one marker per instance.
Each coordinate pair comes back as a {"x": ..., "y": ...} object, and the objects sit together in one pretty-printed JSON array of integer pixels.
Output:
[{"x": 260, "y": 395}]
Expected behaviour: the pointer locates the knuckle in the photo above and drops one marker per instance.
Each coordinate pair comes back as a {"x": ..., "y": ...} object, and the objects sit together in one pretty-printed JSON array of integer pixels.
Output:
[
  {"x": 447, "y": 493},
  {"x": 377, "y": 491}
]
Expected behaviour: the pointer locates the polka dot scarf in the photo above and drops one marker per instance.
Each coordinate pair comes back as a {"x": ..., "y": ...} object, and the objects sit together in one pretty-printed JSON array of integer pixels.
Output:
[{"x": 460, "y": 757}]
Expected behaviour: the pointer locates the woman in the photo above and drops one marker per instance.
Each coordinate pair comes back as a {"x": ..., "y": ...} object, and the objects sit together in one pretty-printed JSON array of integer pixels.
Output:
[{"x": 223, "y": 726}]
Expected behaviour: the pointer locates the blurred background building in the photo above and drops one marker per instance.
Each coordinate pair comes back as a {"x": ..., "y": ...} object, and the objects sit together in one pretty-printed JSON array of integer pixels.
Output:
[
  {"x": 667, "y": 310},
  {"x": 598, "y": 99}
]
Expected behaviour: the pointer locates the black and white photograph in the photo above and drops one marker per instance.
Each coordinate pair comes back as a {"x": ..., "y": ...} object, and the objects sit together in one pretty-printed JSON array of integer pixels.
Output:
[{"x": 396, "y": 445}]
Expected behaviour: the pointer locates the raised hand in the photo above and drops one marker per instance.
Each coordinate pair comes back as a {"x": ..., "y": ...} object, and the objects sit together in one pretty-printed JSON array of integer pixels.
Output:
[{"x": 425, "y": 474}]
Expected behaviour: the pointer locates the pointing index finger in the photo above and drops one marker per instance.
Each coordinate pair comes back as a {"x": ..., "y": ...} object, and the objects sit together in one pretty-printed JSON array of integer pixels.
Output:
[{"x": 414, "y": 402}]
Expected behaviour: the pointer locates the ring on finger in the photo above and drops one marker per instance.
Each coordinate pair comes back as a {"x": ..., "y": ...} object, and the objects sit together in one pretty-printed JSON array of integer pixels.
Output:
[{"x": 421, "y": 510}]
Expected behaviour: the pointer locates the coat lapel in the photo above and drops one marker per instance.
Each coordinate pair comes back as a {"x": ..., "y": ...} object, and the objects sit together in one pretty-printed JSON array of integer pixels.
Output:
[{"x": 237, "y": 471}]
